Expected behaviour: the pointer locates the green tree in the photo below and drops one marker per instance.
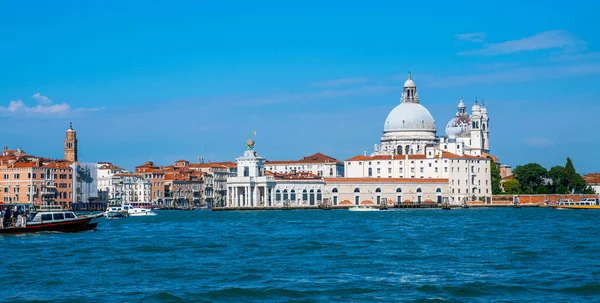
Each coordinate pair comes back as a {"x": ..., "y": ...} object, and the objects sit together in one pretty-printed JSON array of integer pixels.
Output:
[
  {"x": 589, "y": 191},
  {"x": 530, "y": 176},
  {"x": 561, "y": 189},
  {"x": 576, "y": 184},
  {"x": 495, "y": 177},
  {"x": 511, "y": 186},
  {"x": 560, "y": 178}
]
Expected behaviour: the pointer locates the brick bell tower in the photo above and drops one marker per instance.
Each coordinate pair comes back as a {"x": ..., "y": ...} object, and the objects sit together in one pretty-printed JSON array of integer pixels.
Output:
[{"x": 71, "y": 144}]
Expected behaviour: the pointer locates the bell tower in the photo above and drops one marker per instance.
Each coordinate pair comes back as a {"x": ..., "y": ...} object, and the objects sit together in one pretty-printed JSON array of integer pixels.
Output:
[{"x": 71, "y": 144}]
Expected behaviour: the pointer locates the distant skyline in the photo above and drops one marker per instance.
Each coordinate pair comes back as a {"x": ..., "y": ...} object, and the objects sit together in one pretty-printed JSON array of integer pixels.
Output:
[{"x": 172, "y": 80}]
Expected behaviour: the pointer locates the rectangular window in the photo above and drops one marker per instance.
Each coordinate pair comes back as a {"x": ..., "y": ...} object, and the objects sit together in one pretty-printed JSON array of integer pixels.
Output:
[
  {"x": 378, "y": 170},
  {"x": 429, "y": 164},
  {"x": 436, "y": 169},
  {"x": 47, "y": 217},
  {"x": 445, "y": 169},
  {"x": 421, "y": 169},
  {"x": 59, "y": 216}
]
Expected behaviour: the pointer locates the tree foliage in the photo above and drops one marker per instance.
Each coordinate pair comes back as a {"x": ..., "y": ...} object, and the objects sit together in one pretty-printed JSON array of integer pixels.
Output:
[
  {"x": 511, "y": 186},
  {"x": 530, "y": 176},
  {"x": 496, "y": 178}
]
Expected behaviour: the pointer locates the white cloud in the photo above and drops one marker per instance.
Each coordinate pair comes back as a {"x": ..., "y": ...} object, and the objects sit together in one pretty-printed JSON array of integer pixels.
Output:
[
  {"x": 557, "y": 39},
  {"x": 537, "y": 142},
  {"x": 41, "y": 99},
  {"x": 520, "y": 74},
  {"x": 471, "y": 37},
  {"x": 45, "y": 106}
]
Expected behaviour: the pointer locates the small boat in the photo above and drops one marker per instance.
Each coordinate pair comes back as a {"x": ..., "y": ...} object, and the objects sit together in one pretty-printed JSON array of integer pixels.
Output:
[
  {"x": 589, "y": 203},
  {"x": 127, "y": 210},
  {"x": 52, "y": 218},
  {"x": 358, "y": 208}
]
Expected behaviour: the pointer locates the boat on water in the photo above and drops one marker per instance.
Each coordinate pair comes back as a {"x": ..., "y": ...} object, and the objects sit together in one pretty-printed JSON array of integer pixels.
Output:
[
  {"x": 588, "y": 203},
  {"x": 127, "y": 210},
  {"x": 46, "y": 218},
  {"x": 367, "y": 208}
]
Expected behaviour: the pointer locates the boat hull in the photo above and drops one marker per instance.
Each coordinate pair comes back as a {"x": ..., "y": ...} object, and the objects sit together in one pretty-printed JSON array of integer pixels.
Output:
[
  {"x": 576, "y": 206},
  {"x": 67, "y": 226}
]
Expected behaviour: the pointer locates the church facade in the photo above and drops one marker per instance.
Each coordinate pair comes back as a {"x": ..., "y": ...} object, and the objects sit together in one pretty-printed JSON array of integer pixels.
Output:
[{"x": 410, "y": 148}]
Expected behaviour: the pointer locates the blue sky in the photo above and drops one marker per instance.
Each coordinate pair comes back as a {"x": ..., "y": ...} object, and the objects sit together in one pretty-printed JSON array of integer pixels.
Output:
[{"x": 166, "y": 80}]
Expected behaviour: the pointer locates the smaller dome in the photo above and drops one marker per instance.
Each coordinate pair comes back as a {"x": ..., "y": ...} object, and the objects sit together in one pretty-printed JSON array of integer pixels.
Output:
[
  {"x": 475, "y": 107},
  {"x": 459, "y": 126},
  {"x": 409, "y": 83}
]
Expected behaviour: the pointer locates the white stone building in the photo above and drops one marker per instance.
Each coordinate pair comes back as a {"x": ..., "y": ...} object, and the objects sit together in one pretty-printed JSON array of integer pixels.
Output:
[
  {"x": 106, "y": 171},
  {"x": 317, "y": 164},
  {"x": 255, "y": 187},
  {"x": 130, "y": 188},
  {"x": 410, "y": 149},
  {"x": 410, "y": 128}
]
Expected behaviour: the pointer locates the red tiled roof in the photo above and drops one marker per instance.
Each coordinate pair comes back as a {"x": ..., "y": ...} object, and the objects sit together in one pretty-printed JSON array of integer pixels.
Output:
[
  {"x": 445, "y": 155},
  {"x": 314, "y": 159},
  {"x": 385, "y": 180}
]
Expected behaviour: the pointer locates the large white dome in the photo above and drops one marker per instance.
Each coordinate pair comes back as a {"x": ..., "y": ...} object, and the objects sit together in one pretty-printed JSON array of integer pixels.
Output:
[{"x": 409, "y": 117}]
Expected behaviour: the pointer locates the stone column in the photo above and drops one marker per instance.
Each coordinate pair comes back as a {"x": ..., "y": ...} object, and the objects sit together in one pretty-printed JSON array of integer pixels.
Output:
[
  {"x": 265, "y": 195},
  {"x": 247, "y": 193},
  {"x": 272, "y": 196},
  {"x": 255, "y": 191}
]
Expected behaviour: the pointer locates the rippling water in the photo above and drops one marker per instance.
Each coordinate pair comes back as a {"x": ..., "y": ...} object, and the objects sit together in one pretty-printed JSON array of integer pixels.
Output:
[{"x": 473, "y": 255}]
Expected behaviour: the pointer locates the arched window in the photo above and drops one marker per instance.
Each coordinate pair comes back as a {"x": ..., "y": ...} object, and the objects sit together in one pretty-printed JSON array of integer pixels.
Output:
[
  {"x": 312, "y": 197},
  {"x": 357, "y": 190},
  {"x": 439, "y": 195},
  {"x": 304, "y": 195},
  {"x": 285, "y": 194},
  {"x": 331, "y": 171},
  {"x": 378, "y": 193},
  {"x": 356, "y": 195},
  {"x": 398, "y": 195},
  {"x": 399, "y": 150},
  {"x": 277, "y": 195},
  {"x": 407, "y": 150},
  {"x": 293, "y": 195},
  {"x": 319, "y": 195},
  {"x": 419, "y": 195},
  {"x": 335, "y": 196}
]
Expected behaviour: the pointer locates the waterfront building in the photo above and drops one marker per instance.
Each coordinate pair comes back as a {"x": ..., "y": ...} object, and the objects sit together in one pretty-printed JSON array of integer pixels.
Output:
[
  {"x": 318, "y": 164},
  {"x": 130, "y": 188},
  {"x": 250, "y": 187},
  {"x": 410, "y": 149},
  {"x": 156, "y": 176},
  {"x": 215, "y": 179},
  {"x": 593, "y": 181},
  {"x": 372, "y": 191},
  {"x": 106, "y": 171}
]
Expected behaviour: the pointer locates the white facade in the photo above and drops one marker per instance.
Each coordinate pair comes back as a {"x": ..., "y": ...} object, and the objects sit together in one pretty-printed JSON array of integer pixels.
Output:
[
  {"x": 317, "y": 164},
  {"x": 130, "y": 188},
  {"x": 299, "y": 192},
  {"x": 411, "y": 129},
  {"x": 106, "y": 171},
  {"x": 410, "y": 149},
  {"x": 250, "y": 188}
]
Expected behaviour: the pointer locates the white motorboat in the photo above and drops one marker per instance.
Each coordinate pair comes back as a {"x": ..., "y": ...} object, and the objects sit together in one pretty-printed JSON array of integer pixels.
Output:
[
  {"x": 358, "y": 208},
  {"x": 127, "y": 210}
]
